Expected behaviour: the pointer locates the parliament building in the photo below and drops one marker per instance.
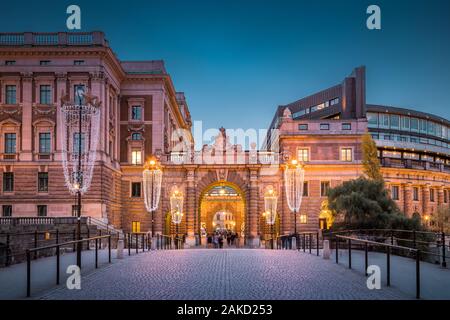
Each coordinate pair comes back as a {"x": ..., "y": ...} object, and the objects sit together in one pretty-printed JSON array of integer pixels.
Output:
[{"x": 224, "y": 184}]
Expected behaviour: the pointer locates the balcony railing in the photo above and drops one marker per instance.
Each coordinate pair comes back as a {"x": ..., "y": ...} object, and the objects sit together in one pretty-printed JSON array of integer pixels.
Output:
[
  {"x": 53, "y": 39},
  {"x": 243, "y": 157},
  {"x": 414, "y": 164},
  {"x": 9, "y": 156}
]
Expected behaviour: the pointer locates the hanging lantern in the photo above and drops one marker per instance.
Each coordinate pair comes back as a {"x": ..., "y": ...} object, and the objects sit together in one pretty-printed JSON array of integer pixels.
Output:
[
  {"x": 79, "y": 132},
  {"x": 176, "y": 206},
  {"x": 270, "y": 206},
  {"x": 294, "y": 177},
  {"x": 152, "y": 178}
]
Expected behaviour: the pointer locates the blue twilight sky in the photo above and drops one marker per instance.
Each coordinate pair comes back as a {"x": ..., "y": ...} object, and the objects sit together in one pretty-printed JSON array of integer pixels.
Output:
[{"x": 237, "y": 60}]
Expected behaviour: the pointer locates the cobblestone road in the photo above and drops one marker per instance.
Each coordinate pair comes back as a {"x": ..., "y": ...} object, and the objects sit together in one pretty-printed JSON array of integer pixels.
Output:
[{"x": 224, "y": 274}]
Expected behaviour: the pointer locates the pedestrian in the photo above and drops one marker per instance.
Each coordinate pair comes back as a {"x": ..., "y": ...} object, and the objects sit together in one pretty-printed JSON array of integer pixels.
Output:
[
  {"x": 210, "y": 240},
  {"x": 221, "y": 242}
]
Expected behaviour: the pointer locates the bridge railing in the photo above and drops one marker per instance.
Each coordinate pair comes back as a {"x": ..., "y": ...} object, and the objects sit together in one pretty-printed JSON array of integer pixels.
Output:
[
  {"x": 58, "y": 247},
  {"x": 345, "y": 242}
]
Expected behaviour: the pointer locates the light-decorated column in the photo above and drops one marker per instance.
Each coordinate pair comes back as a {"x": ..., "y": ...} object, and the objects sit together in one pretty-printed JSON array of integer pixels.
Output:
[
  {"x": 190, "y": 207},
  {"x": 252, "y": 234},
  {"x": 286, "y": 214},
  {"x": 27, "y": 115}
]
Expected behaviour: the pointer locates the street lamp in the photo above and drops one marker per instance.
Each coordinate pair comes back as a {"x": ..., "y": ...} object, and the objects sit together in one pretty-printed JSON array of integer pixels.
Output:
[
  {"x": 270, "y": 205},
  {"x": 79, "y": 132},
  {"x": 294, "y": 176},
  {"x": 176, "y": 209},
  {"x": 152, "y": 178}
]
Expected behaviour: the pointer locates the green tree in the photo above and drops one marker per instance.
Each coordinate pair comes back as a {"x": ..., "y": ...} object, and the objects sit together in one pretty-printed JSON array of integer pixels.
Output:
[
  {"x": 364, "y": 203},
  {"x": 440, "y": 220},
  {"x": 370, "y": 160}
]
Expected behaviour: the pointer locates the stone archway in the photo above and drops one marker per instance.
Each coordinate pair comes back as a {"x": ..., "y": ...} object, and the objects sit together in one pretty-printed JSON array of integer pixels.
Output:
[{"x": 222, "y": 196}]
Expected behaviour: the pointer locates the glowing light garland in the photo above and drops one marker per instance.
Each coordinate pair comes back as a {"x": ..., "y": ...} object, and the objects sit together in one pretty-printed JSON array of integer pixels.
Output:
[
  {"x": 78, "y": 178},
  {"x": 294, "y": 177},
  {"x": 176, "y": 207},
  {"x": 270, "y": 205},
  {"x": 152, "y": 178}
]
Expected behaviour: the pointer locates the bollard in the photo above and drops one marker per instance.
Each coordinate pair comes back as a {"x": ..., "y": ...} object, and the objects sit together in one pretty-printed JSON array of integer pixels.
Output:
[
  {"x": 120, "y": 246},
  {"x": 326, "y": 250}
]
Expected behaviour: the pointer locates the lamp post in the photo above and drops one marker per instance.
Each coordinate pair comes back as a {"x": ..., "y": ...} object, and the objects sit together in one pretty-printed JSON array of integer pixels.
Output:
[
  {"x": 152, "y": 178},
  {"x": 270, "y": 205},
  {"x": 79, "y": 133},
  {"x": 294, "y": 176},
  {"x": 176, "y": 209}
]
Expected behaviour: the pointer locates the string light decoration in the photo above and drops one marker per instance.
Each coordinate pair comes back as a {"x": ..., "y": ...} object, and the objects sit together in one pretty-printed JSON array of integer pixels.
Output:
[
  {"x": 270, "y": 206},
  {"x": 294, "y": 177},
  {"x": 176, "y": 206},
  {"x": 152, "y": 178},
  {"x": 79, "y": 133}
]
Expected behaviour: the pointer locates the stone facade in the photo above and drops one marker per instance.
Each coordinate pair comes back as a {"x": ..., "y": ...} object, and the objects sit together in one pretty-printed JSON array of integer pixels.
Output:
[{"x": 142, "y": 115}]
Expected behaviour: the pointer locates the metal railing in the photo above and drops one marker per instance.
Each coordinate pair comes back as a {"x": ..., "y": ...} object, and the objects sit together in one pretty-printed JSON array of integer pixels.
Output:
[
  {"x": 433, "y": 245},
  {"x": 388, "y": 249},
  {"x": 58, "y": 255},
  {"x": 306, "y": 241}
]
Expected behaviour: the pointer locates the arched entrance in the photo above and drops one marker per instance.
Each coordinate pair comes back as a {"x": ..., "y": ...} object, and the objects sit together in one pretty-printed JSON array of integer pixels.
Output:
[{"x": 222, "y": 209}]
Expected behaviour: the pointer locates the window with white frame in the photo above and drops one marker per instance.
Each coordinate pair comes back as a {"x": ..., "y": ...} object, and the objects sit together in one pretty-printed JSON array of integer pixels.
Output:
[
  {"x": 136, "y": 113},
  {"x": 10, "y": 143},
  {"x": 44, "y": 142},
  {"x": 347, "y": 154},
  {"x": 303, "y": 154},
  {"x": 136, "y": 157}
]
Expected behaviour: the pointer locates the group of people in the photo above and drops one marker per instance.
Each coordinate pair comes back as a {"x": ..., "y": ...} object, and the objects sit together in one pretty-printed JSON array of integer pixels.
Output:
[{"x": 217, "y": 239}]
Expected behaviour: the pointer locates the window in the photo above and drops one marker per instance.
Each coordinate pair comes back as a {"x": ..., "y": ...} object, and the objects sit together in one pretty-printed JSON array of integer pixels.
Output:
[
  {"x": 298, "y": 114},
  {"x": 395, "y": 121},
  {"x": 346, "y": 126},
  {"x": 42, "y": 210},
  {"x": 416, "y": 194},
  {"x": 43, "y": 182},
  {"x": 136, "y": 157},
  {"x": 44, "y": 142},
  {"x": 324, "y": 126},
  {"x": 45, "y": 94},
  {"x": 445, "y": 196},
  {"x": 384, "y": 121},
  {"x": 303, "y": 155},
  {"x": 7, "y": 210},
  {"x": 79, "y": 91},
  {"x": 10, "y": 143},
  {"x": 372, "y": 119},
  {"x": 44, "y": 62},
  {"x": 136, "y": 189},
  {"x": 431, "y": 195},
  {"x": 324, "y": 187},
  {"x": 74, "y": 210},
  {"x": 136, "y": 113},
  {"x": 375, "y": 136},
  {"x": 10, "y": 62},
  {"x": 303, "y": 219},
  {"x": 136, "y": 136},
  {"x": 414, "y": 123},
  {"x": 135, "y": 227},
  {"x": 346, "y": 154},
  {"x": 76, "y": 142},
  {"x": 334, "y": 101},
  {"x": 405, "y": 123},
  {"x": 8, "y": 181},
  {"x": 78, "y": 62},
  {"x": 423, "y": 126},
  {"x": 10, "y": 94},
  {"x": 303, "y": 127},
  {"x": 305, "y": 189},
  {"x": 395, "y": 195}
]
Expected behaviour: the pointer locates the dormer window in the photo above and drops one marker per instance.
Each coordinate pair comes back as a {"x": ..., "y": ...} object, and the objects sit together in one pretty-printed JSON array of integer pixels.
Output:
[{"x": 10, "y": 62}]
